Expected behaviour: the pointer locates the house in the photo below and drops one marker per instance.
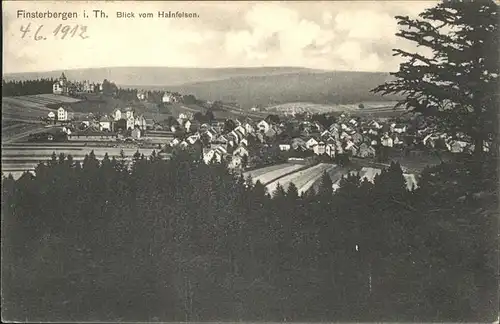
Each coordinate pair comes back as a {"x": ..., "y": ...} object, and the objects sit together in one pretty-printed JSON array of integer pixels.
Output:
[
  {"x": 51, "y": 115},
  {"x": 140, "y": 122},
  {"x": 175, "y": 142},
  {"x": 397, "y": 141},
  {"x": 141, "y": 96},
  {"x": 92, "y": 136},
  {"x": 208, "y": 135},
  {"x": 456, "y": 146},
  {"x": 117, "y": 114},
  {"x": 387, "y": 141},
  {"x": 182, "y": 117},
  {"x": 183, "y": 144},
  {"x": 244, "y": 141},
  {"x": 375, "y": 124},
  {"x": 130, "y": 122},
  {"x": 261, "y": 137},
  {"x": 263, "y": 126},
  {"x": 193, "y": 139},
  {"x": 187, "y": 125},
  {"x": 298, "y": 144},
  {"x": 57, "y": 88},
  {"x": 344, "y": 135},
  {"x": 64, "y": 114},
  {"x": 334, "y": 128},
  {"x": 357, "y": 138},
  {"x": 399, "y": 128},
  {"x": 320, "y": 148},
  {"x": 67, "y": 130},
  {"x": 330, "y": 149},
  {"x": 239, "y": 134},
  {"x": 326, "y": 134},
  {"x": 284, "y": 147},
  {"x": 60, "y": 86},
  {"x": 366, "y": 150},
  {"x": 136, "y": 133},
  {"x": 236, "y": 162},
  {"x": 353, "y": 122},
  {"x": 105, "y": 124},
  {"x": 221, "y": 139},
  {"x": 241, "y": 150},
  {"x": 311, "y": 142},
  {"x": 167, "y": 98},
  {"x": 254, "y": 109},
  {"x": 351, "y": 147},
  {"x": 129, "y": 113},
  {"x": 240, "y": 129},
  {"x": 216, "y": 155}
]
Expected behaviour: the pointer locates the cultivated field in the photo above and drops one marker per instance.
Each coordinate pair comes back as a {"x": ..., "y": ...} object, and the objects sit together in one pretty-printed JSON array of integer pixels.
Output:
[
  {"x": 31, "y": 107},
  {"x": 303, "y": 180},
  {"x": 377, "y": 109},
  {"x": 261, "y": 171},
  {"x": 19, "y": 158},
  {"x": 21, "y": 130},
  {"x": 273, "y": 172}
]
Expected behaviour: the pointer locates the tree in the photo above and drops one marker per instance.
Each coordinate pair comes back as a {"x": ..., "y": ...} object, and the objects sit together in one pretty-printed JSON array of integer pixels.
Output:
[
  {"x": 229, "y": 125},
  {"x": 217, "y": 105},
  {"x": 326, "y": 185},
  {"x": 199, "y": 117},
  {"x": 209, "y": 116},
  {"x": 244, "y": 161},
  {"x": 455, "y": 86},
  {"x": 273, "y": 119}
]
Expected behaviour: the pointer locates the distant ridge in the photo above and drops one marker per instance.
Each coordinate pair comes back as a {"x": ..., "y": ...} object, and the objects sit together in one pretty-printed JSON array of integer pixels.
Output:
[
  {"x": 249, "y": 87},
  {"x": 158, "y": 76}
]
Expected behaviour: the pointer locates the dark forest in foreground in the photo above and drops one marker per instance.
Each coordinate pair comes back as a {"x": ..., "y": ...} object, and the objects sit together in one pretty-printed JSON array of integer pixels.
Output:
[{"x": 180, "y": 240}]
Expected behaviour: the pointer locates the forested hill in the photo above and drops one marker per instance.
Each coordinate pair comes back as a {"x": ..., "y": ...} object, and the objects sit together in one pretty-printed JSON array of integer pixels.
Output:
[
  {"x": 157, "y": 76},
  {"x": 320, "y": 88},
  {"x": 209, "y": 247}
]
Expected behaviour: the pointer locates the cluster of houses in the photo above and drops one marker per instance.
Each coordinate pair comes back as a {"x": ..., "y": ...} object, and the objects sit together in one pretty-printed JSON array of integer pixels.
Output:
[
  {"x": 64, "y": 87},
  {"x": 351, "y": 136},
  {"x": 104, "y": 127}
]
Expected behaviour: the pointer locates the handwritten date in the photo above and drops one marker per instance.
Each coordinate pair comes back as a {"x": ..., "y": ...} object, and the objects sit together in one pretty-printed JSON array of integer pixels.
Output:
[{"x": 60, "y": 32}]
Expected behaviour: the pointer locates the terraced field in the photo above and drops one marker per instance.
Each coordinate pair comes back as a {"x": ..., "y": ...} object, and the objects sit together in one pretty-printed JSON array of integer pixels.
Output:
[
  {"x": 19, "y": 158},
  {"x": 261, "y": 171},
  {"x": 268, "y": 174},
  {"x": 303, "y": 179}
]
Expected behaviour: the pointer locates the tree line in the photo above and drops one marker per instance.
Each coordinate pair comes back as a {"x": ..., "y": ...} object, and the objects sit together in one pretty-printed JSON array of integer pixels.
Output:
[
  {"x": 28, "y": 87},
  {"x": 180, "y": 240}
]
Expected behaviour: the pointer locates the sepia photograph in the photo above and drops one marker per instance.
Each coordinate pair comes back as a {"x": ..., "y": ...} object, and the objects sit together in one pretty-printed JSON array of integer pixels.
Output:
[{"x": 250, "y": 161}]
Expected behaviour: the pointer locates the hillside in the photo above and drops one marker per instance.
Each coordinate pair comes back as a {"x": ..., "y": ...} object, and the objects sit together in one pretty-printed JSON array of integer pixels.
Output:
[
  {"x": 317, "y": 88},
  {"x": 157, "y": 76}
]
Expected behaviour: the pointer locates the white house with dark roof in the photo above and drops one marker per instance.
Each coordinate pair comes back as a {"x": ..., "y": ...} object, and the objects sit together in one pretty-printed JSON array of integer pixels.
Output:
[
  {"x": 263, "y": 126},
  {"x": 311, "y": 143},
  {"x": 117, "y": 114},
  {"x": 64, "y": 114}
]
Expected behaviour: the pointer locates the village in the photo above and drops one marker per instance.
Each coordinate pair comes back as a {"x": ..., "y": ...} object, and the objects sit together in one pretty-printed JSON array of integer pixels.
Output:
[{"x": 238, "y": 141}]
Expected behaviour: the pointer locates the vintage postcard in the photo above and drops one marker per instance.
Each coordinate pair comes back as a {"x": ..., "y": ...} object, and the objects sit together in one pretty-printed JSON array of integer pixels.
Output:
[{"x": 293, "y": 161}]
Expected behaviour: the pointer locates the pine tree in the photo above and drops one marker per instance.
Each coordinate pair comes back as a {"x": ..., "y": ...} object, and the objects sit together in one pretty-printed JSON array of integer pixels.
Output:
[
  {"x": 326, "y": 186},
  {"x": 454, "y": 87},
  {"x": 292, "y": 193}
]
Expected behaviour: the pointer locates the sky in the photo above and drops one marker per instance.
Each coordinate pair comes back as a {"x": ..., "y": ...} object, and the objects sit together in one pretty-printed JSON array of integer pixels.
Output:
[{"x": 334, "y": 35}]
